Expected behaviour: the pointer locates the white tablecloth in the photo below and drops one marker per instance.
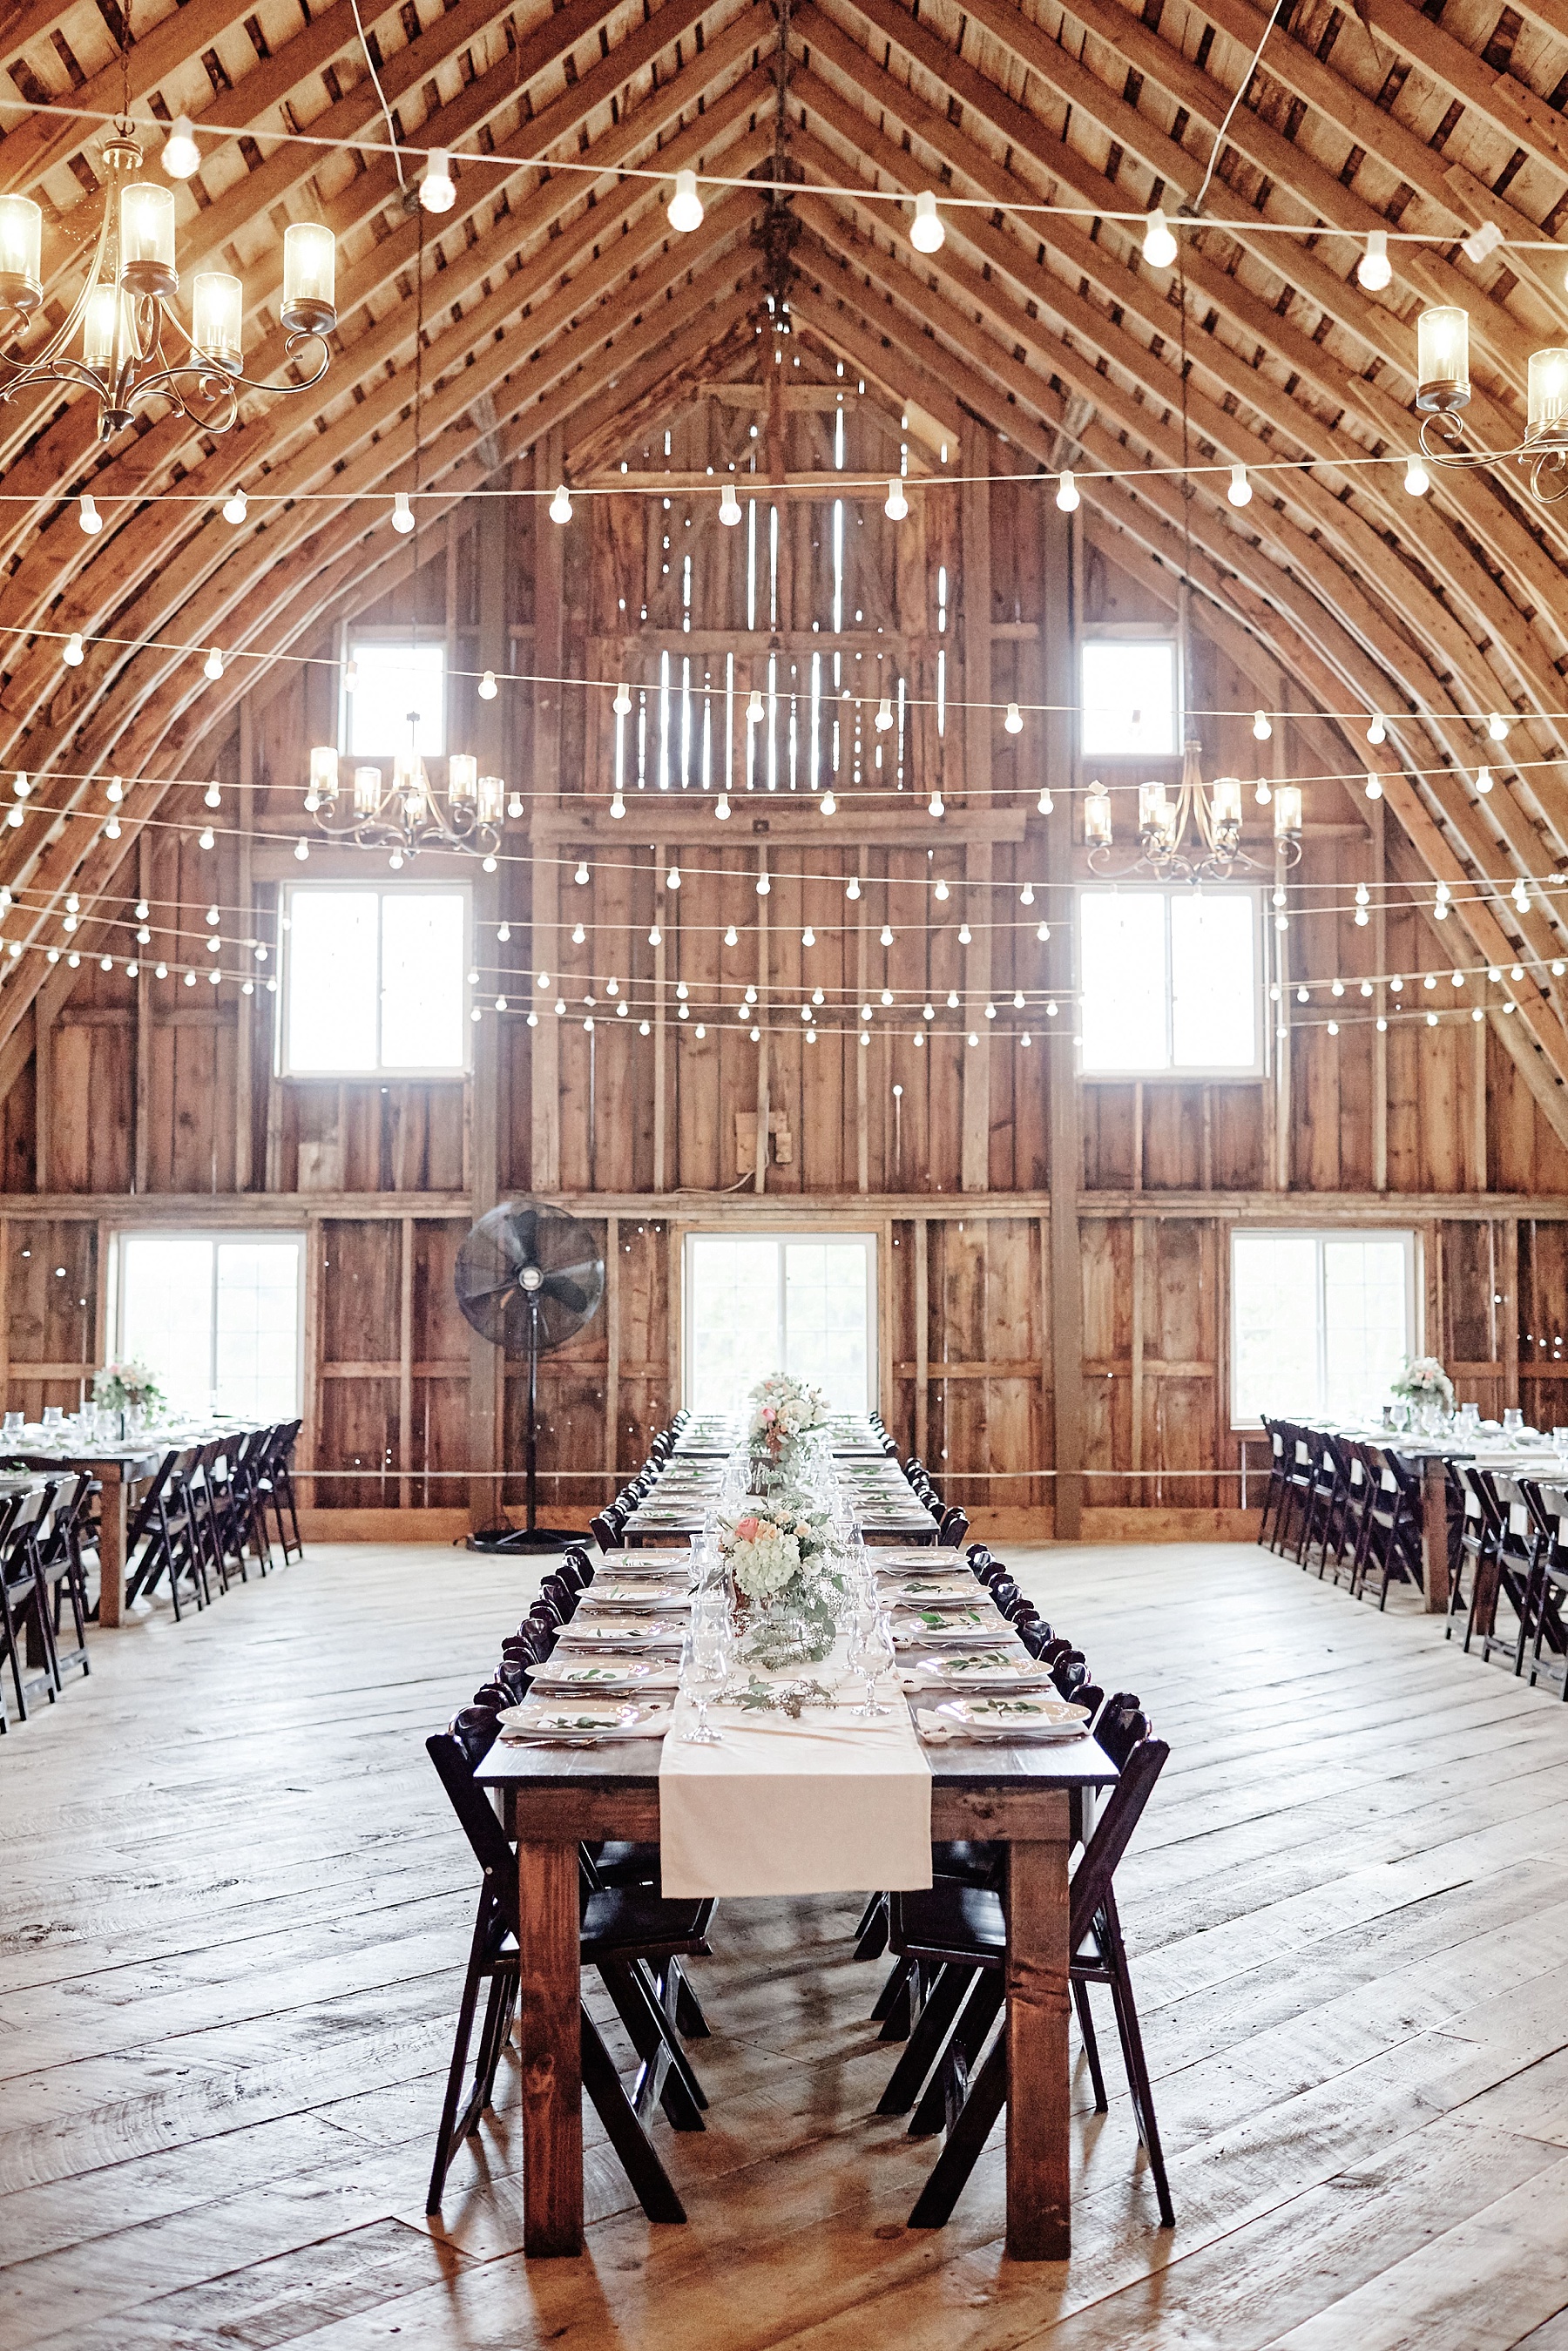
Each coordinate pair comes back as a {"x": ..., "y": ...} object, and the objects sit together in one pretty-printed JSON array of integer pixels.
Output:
[{"x": 821, "y": 1805}]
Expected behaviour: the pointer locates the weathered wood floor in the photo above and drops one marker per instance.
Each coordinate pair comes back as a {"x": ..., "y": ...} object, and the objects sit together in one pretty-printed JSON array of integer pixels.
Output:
[{"x": 234, "y": 1911}]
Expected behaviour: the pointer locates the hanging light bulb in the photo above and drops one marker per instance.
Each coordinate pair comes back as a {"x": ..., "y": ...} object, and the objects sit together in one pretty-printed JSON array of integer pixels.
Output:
[
  {"x": 89, "y": 516},
  {"x": 1374, "y": 270},
  {"x": 966, "y": 936},
  {"x": 351, "y": 676},
  {"x": 1159, "y": 244},
  {"x": 1240, "y": 491},
  {"x": 830, "y": 805},
  {"x": 581, "y": 876},
  {"x": 936, "y": 804},
  {"x": 301, "y": 851},
  {"x": 403, "y": 514},
  {"x": 437, "y": 189},
  {"x": 560, "y": 505},
  {"x": 1045, "y": 803},
  {"x": 808, "y": 936},
  {"x": 182, "y": 157},
  {"x": 753, "y": 713},
  {"x": 896, "y": 505},
  {"x": 684, "y": 210},
  {"x": 114, "y": 791},
  {"x": 1013, "y": 723},
  {"x": 732, "y": 936},
  {"x": 926, "y": 233},
  {"x": 1067, "y": 497},
  {"x": 728, "y": 506},
  {"x": 721, "y": 808},
  {"x": 854, "y": 888},
  {"x": 673, "y": 878},
  {"x": 1262, "y": 727},
  {"x": 884, "y": 713},
  {"x": 622, "y": 702},
  {"x": 617, "y": 807},
  {"x": 940, "y": 892},
  {"x": 75, "y": 653},
  {"x": 235, "y": 507},
  {"x": 213, "y": 667},
  {"x": 1417, "y": 484},
  {"x": 489, "y": 689},
  {"x": 1483, "y": 780},
  {"x": 1376, "y": 731},
  {"x": 579, "y": 935},
  {"x": 213, "y": 797},
  {"x": 1497, "y": 727},
  {"x": 1374, "y": 786},
  {"x": 764, "y": 886}
]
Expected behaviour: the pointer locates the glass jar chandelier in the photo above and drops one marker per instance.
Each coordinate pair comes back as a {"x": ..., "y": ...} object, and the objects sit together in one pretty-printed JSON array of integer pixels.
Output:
[
  {"x": 124, "y": 312},
  {"x": 406, "y": 814},
  {"x": 1194, "y": 836},
  {"x": 1443, "y": 390}
]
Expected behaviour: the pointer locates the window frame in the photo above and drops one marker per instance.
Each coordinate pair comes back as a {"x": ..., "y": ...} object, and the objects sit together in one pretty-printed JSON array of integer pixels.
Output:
[
  {"x": 781, "y": 1235},
  {"x": 218, "y": 1235},
  {"x": 1189, "y": 1073},
  {"x": 351, "y": 637},
  {"x": 1127, "y": 633},
  {"x": 381, "y": 1074},
  {"x": 1414, "y": 1295}
]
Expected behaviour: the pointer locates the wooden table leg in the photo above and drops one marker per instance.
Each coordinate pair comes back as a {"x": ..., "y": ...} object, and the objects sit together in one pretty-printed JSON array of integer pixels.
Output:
[
  {"x": 111, "y": 1545},
  {"x": 549, "y": 2047},
  {"x": 1038, "y": 2185},
  {"x": 1435, "y": 1533}
]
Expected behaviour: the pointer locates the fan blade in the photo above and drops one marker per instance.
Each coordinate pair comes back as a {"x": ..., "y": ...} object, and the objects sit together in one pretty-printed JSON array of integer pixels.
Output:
[
  {"x": 569, "y": 1294},
  {"x": 586, "y": 1271},
  {"x": 522, "y": 1235},
  {"x": 501, "y": 1289}
]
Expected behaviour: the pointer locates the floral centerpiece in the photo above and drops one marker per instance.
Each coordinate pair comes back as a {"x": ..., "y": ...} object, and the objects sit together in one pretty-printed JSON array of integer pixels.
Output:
[
  {"x": 125, "y": 1388},
  {"x": 783, "y": 1412},
  {"x": 779, "y": 1558},
  {"x": 1424, "y": 1381}
]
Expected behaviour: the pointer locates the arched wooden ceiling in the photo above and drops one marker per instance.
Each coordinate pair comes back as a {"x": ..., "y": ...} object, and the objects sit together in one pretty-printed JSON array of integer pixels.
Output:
[{"x": 1053, "y": 333}]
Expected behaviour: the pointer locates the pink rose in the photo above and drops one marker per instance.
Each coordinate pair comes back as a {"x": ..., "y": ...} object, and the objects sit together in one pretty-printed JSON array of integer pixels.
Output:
[{"x": 746, "y": 1530}]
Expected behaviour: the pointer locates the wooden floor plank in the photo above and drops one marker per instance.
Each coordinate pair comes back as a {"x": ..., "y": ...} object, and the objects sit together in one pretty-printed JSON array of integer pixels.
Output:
[{"x": 232, "y": 1924}]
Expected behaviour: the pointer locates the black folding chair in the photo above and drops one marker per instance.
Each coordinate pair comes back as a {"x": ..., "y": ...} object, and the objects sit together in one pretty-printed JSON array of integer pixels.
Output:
[{"x": 25, "y": 1621}]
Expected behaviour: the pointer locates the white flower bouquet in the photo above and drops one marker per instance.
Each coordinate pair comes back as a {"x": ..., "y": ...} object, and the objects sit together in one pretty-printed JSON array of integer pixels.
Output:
[
  {"x": 1424, "y": 1381},
  {"x": 783, "y": 1411},
  {"x": 778, "y": 1556}
]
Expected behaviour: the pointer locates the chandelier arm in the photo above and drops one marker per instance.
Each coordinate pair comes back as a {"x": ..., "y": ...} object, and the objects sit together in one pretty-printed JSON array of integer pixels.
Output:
[
  {"x": 1556, "y": 462},
  {"x": 1442, "y": 439}
]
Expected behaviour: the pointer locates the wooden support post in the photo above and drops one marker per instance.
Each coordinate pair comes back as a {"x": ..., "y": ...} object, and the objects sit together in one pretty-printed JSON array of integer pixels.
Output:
[
  {"x": 43, "y": 1090},
  {"x": 405, "y": 1362},
  {"x": 922, "y": 1338},
  {"x": 863, "y": 1052},
  {"x": 487, "y": 1364},
  {"x": 611, "y": 1354},
  {"x": 549, "y": 662},
  {"x": 760, "y": 1180},
  {"x": 1380, "y": 1002},
  {"x": 661, "y": 1037},
  {"x": 1139, "y": 1227},
  {"x": 975, "y": 526},
  {"x": 244, "y": 1010},
  {"x": 1509, "y": 1288},
  {"x": 1062, "y": 606}
]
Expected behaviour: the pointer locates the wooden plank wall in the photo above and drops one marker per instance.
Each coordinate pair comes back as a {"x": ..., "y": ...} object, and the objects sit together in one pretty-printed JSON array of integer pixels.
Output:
[{"x": 147, "y": 1098}]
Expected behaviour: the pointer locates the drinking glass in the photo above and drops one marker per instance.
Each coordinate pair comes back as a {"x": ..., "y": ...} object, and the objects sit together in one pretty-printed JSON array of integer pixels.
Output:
[
  {"x": 706, "y": 1662},
  {"x": 870, "y": 1654},
  {"x": 53, "y": 1416},
  {"x": 14, "y": 1422},
  {"x": 1512, "y": 1421}
]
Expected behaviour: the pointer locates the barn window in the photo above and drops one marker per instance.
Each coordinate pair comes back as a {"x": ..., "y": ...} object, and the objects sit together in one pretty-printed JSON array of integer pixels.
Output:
[
  {"x": 1321, "y": 1323},
  {"x": 375, "y": 981},
  {"x": 798, "y": 1302},
  {"x": 1129, "y": 694},
  {"x": 1168, "y": 981},
  {"x": 396, "y": 681},
  {"x": 216, "y": 1317}
]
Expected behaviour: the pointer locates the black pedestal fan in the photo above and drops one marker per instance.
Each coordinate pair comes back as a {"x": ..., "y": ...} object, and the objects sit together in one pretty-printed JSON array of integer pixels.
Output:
[{"x": 528, "y": 1279}]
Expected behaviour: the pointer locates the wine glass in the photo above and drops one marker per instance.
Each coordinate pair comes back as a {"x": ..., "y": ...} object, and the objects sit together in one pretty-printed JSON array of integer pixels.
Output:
[
  {"x": 705, "y": 1661},
  {"x": 1512, "y": 1421},
  {"x": 870, "y": 1654}
]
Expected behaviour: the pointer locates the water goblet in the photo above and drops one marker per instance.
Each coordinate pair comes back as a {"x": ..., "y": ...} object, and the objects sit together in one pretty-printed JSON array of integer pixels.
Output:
[
  {"x": 1512, "y": 1421},
  {"x": 870, "y": 1654},
  {"x": 706, "y": 1663},
  {"x": 54, "y": 1417},
  {"x": 14, "y": 1422}
]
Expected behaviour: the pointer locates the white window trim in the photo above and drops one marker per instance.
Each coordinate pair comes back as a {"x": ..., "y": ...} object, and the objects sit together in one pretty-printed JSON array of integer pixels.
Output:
[
  {"x": 1415, "y": 1290},
  {"x": 349, "y": 637},
  {"x": 781, "y": 1234},
  {"x": 381, "y": 1074},
  {"x": 272, "y": 1235},
  {"x": 1133, "y": 633},
  {"x": 1189, "y": 1073}
]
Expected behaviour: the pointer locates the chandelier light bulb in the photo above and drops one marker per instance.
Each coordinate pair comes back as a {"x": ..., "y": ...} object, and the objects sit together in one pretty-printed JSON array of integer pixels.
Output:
[
  {"x": 89, "y": 516},
  {"x": 437, "y": 189},
  {"x": 182, "y": 158},
  {"x": 754, "y": 707},
  {"x": 402, "y": 515},
  {"x": 1013, "y": 723},
  {"x": 684, "y": 210},
  {"x": 884, "y": 713},
  {"x": 1159, "y": 244},
  {"x": 75, "y": 653},
  {"x": 622, "y": 702},
  {"x": 1240, "y": 491},
  {"x": 1372, "y": 271},
  {"x": 560, "y": 505},
  {"x": 489, "y": 689},
  {"x": 235, "y": 507},
  {"x": 1416, "y": 483},
  {"x": 1376, "y": 731},
  {"x": 1067, "y": 497},
  {"x": 213, "y": 667},
  {"x": 926, "y": 233},
  {"x": 728, "y": 506}
]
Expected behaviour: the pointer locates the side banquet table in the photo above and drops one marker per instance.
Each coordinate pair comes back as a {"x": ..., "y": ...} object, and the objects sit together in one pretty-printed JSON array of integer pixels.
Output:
[
  {"x": 553, "y": 1799},
  {"x": 118, "y": 1470}
]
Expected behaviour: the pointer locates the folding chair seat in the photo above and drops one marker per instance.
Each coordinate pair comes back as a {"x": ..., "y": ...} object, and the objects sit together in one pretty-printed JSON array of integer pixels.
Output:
[
  {"x": 276, "y": 1482},
  {"x": 165, "y": 1526},
  {"x": 962, "y": 1931},
  {"x": 25, "y": 1619},
  {"x": 1298, "y": 1484},
  {"x": 952, "y": 1528},
  {"x": 630, "y": 1936},
  {"x": 1322, "y": 1496},
  {"x": 1472, "y": 1531},
  {"x": 248, "y": 1495},
  {"x": 1391, "y": 1531},
  {"x": 606, "y": 1530},
  {"x": 1507, "y": 1568}
]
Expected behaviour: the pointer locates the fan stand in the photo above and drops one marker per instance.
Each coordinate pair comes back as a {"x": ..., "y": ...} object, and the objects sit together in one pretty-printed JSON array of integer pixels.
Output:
[{"x": 530, "y": 1536}]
